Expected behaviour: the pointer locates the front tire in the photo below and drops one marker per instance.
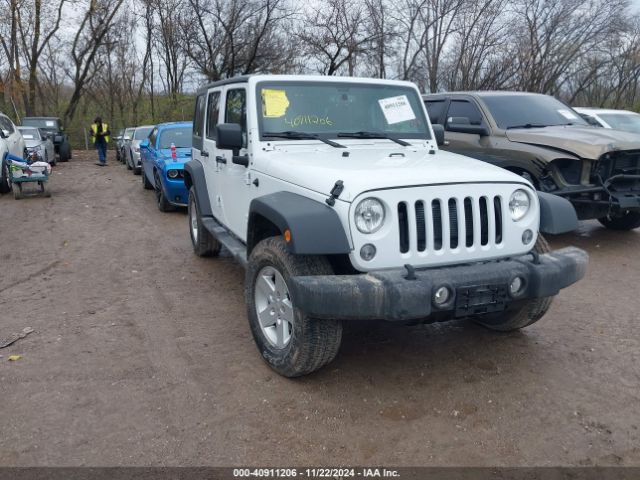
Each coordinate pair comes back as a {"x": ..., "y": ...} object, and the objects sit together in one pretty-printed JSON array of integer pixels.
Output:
[
  {"x": 622, "y": 221},
  {"x": 129, "y": 162},
  {"x": 5, "y": 182},
  {"x": 204, "y": 244},
  {"x": 526, "y": 313},
  {"x": 65, "y": 152},
  {"x": 161, "y": 198},
  {"x": 292, "y": 343}
]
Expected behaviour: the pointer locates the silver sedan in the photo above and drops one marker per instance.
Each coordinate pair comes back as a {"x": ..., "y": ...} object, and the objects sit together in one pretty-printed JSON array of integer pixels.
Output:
[
  {"x": 132, "y": 156},
  {"x": 36, "y": 140}
]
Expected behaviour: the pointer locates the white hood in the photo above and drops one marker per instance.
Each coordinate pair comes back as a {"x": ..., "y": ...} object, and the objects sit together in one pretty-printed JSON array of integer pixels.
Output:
[{"x": 375, "y": 166}]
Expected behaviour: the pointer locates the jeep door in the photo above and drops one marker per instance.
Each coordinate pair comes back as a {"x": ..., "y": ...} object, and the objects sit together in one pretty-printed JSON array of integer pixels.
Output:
[
  {"x": 208, "y": 155},
  {"x": 234, "y": 181}
]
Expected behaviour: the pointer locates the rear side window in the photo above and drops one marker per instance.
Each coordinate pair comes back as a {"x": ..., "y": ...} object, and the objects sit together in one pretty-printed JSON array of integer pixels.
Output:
[
  {"x": 213, "y": 113},
  {"x": 465, "y": 109},
  {"x": 198, "y": 118},
  {"x": 435, "y": 109},
  {"x": 198, "y": 122}
]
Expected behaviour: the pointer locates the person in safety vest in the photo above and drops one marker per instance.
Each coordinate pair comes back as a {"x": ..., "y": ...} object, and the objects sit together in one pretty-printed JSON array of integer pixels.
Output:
[{"x": 100, "y": 138}]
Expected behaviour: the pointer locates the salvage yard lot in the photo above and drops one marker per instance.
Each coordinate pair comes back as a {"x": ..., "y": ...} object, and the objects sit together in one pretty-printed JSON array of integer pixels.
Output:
[{"x": 142, "y": 355}]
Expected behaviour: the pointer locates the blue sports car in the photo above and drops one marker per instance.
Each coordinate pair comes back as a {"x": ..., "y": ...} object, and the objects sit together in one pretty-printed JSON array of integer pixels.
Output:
[{"x": 163, "y": 156}]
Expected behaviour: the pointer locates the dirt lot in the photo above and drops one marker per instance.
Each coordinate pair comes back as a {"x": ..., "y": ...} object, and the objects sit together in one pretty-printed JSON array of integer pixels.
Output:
[{"x": 142, "y": 355}]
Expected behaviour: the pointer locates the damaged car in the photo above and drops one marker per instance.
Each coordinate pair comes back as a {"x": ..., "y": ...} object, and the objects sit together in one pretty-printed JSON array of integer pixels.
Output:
[{"x": 547, "y": 142}]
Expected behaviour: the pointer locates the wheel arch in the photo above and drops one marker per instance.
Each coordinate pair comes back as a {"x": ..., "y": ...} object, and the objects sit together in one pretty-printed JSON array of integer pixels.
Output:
[{"x": 314, "y": 228}]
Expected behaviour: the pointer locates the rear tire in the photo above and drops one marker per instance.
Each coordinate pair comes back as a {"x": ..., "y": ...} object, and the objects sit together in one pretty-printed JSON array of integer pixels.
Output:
[
  {"x": 622, "y": 221},
  {"x": 17, "y": 191},
  {"x": 204, "y": 244},
  {"x": 292, "y": 343},
  {"x": 526, "y": 313}
]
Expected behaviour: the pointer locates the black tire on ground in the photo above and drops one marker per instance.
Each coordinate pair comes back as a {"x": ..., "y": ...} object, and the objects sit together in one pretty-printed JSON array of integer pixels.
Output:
[
  {"x": 622, "y": 221},
  {"x": 54, "y": 161},
  {"x": 145, "y": 182},
  {"x": 204, "y": 244},
  {"x": 5, "y": 183},
  {"x": 65, "y": 152},
  {"x": 522, "y": 314},
  {"x": 313, "y": 343},
  {"x": 161, "y": 198},
  {"x": 129, "y": 162},
  {"x": 17, "y": 191}
]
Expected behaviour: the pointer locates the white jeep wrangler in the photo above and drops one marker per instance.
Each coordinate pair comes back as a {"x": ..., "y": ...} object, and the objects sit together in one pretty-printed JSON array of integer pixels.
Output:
[{"x": 334, "y": 195}]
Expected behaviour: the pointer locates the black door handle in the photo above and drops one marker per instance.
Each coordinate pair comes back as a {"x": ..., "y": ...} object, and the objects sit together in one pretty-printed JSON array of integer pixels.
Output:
[
  {"x": 221, "y": 159},
  {"x": 204, "y": 153}
]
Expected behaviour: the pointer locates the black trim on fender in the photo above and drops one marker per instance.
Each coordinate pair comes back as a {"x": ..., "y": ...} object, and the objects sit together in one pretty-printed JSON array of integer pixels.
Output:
[
  {"x": 557, "y": 214},
  {"x": 315, "y": 227},
  {"x": 196, "y": 174}
]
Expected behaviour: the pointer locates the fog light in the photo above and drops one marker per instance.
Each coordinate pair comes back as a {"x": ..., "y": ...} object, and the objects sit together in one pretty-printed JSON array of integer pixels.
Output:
[
  {"x": 515, "y": 287},
  {"x": 441, "y": 296},
  {"x": 527, "y": 236},
  {"x": 368, "y": 251},
  {"x": 172, "y": 173}
]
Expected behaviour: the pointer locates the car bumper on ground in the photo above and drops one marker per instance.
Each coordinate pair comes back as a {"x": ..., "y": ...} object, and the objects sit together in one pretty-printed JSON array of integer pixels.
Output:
[{"x": 408, "y": 294}]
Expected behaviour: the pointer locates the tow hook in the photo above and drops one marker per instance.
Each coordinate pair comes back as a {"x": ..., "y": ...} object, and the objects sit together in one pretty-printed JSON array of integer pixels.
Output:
[
  {"x": 411, "y": 272},
  {"x": 335, "y": 193}
]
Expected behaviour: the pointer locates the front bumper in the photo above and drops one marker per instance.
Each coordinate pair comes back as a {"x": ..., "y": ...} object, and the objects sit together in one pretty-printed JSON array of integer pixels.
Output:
[
  {"x": 478, "y": 288},
  {"x": 176, "y": 192}
]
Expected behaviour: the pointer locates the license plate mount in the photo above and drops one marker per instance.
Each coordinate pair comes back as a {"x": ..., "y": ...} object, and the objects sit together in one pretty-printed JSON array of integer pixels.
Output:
[{"x": 480, "y": 300}]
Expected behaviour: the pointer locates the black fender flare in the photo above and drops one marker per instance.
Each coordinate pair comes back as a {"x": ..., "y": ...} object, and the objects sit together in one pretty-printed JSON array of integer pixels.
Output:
[
  {"x": 557, "y": 214},
  {"x": 194, "y": 176},
  {"x": 315, "y": 227}
]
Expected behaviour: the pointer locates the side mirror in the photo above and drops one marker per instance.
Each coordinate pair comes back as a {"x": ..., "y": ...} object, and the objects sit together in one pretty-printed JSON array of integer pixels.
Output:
[
  {"x": 229, "y": 137},
  {"x": 438, "y": 132},
  {"x": 466, "y": 128},
  {"x": 145, "y": 144}
]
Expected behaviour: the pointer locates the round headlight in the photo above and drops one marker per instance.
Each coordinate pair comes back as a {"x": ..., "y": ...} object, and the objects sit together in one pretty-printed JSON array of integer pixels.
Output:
[
  {"x": 172, "y": 173},
  {"x": 519, "y": 204},
  {"x": 369, "y": 215}
]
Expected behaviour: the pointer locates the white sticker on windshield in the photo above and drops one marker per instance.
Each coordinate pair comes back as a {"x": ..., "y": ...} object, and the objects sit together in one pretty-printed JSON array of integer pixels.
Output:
[
  {"x": 396, "y": 109},
  {"x": 27, "y": 136},
  {"x": 567, "y": 114},
  {"x": 50, "y": 123}
]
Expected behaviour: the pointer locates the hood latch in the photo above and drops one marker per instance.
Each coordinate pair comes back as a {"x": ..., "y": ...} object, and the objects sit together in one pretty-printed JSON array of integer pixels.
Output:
[{"x": 335, "y": 193}]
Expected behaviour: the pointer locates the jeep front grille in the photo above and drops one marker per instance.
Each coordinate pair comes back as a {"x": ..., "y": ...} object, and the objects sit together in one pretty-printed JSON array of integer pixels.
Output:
[{"x": 449, "y": 223}]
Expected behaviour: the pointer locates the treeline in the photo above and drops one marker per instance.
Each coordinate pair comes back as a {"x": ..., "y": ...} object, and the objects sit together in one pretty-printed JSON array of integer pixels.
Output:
[{"x": 134, "y": 61}]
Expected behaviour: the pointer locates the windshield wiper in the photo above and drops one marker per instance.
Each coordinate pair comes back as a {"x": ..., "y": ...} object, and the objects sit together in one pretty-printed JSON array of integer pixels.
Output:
[
  {"x": 301, "y": 136},
  {"x": 373, "y": 135},
  {"x": 528, "y": 125}
]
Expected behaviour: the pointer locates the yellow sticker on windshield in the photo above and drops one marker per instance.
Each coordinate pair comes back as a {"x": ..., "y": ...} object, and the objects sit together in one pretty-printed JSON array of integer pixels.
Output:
[{"x": 274, "y": 103}]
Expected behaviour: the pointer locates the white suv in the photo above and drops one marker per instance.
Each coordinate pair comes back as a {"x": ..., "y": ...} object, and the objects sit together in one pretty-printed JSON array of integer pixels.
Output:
[
  {"x": 334, "y": 195},
  {"x": 11, "y": 143}
]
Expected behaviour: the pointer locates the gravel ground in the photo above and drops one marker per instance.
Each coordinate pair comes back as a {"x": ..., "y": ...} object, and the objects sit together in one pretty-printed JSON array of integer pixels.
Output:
[{"x": 142, "y": 355}]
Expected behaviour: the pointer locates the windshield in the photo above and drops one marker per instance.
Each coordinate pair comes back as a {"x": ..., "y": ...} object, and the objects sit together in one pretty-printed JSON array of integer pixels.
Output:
[
  {"x": 180, "y": 137},
  {"x": 628, "y": 122},
  {"x": 50, "y": 123},
  {"x": 142, "y": 133},
  {"x": 331, "y": 109},
  {"x": 30, "y": 133},
  {"x": 524, "y": 111}
]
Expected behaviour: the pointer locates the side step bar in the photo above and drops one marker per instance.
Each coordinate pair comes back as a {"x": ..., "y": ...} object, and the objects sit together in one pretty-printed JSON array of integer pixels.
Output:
[{"x": 236, "y": 247}]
